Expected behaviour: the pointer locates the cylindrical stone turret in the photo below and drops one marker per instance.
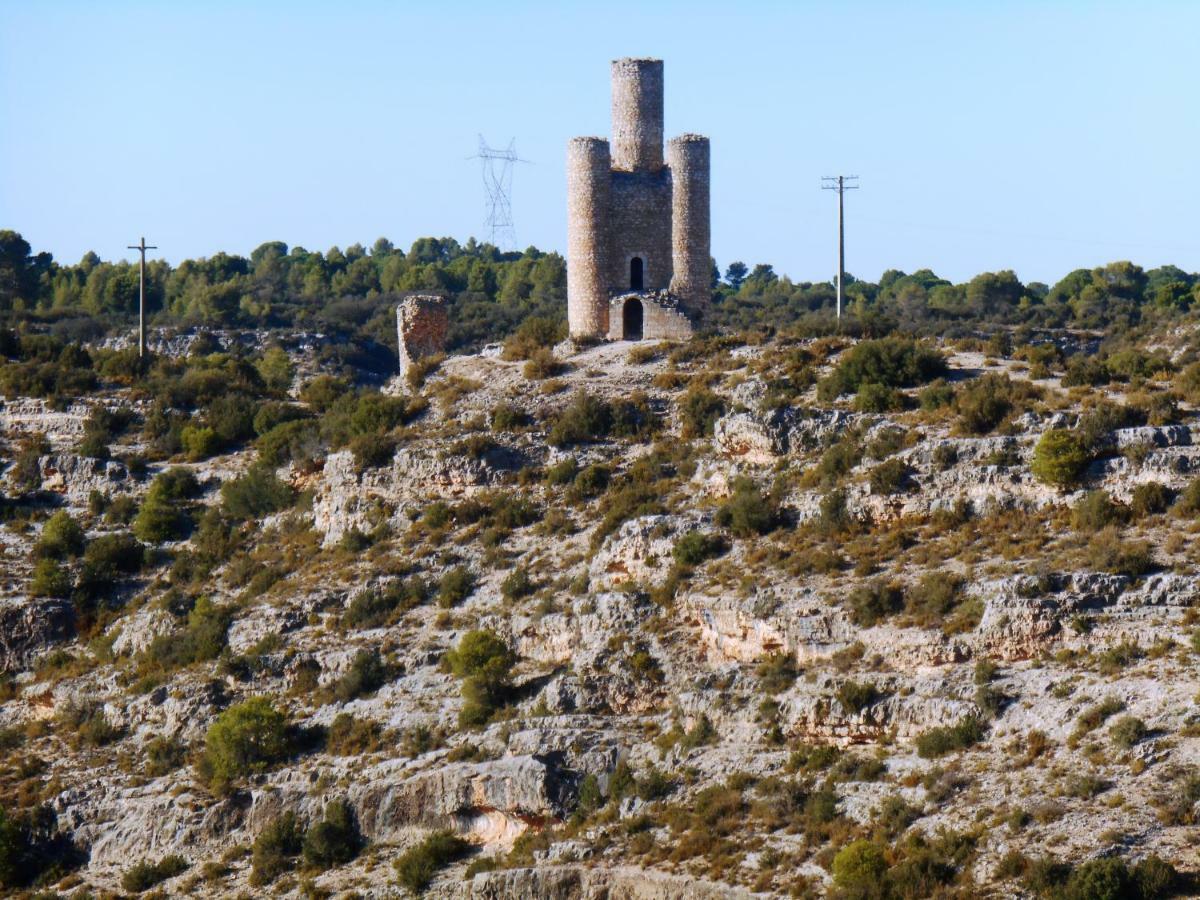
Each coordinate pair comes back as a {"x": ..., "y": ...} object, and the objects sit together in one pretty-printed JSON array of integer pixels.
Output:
[
  {"x": 637, "y": 115},
  {"x": 588, "y": 187},
  {"x": 691, "y": 257}
]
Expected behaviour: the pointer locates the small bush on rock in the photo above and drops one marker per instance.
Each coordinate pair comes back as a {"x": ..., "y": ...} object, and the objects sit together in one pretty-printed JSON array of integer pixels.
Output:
[
  {"x": 248, "y": 738},
  {"x": 947, "y": 739},
  {"x": 335, "y": 840},
  {"x": 748, "y": 512},
  {"x": 145, "y": 875},
  {"x": 695, "y": 547},
  {"x": 483, "y": 661},
  {"x": 1059, "y": 458},
  {"x": 418, "y": 865}
]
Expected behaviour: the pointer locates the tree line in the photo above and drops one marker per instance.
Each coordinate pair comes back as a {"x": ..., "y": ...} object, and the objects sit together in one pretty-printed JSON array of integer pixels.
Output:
[{"x": 352, "y": 292}]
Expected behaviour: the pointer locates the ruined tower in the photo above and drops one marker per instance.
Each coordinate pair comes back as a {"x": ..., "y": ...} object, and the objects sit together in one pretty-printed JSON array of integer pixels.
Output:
[{"x": 638, "y": 260}]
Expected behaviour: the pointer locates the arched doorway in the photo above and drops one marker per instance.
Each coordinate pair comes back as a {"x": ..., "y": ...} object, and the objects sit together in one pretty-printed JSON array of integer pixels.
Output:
[
  {"x": 635, "y": 274},
  {"x": 631, "y": 320}
]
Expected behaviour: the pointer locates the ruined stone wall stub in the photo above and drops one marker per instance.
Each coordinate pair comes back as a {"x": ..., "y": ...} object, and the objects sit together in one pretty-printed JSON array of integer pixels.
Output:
[{"x": 421, "y": 325}]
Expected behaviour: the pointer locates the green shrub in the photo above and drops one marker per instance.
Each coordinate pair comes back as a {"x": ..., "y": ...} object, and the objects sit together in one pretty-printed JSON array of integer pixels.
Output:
[
  {"x": 860, "y": 866},
  {"x": 776, "y": 672},
  {"x": 164, "y": 515},
  {"x": 371, "y": 450},
  {"x": 889, "y": 477},
  {"x": 507, "y": 417},
  {"x": 1095, "y": 427},
  {"x": 456, "y": 585},
  {"x": 855, "y": 696},
  {"x": 62, "y": 537},
  {"x": 1095, "y": 511},
  {"x": 747, "y": 512},
  {"x": 695, "y": 547},
  {"x": 1154, "y": 877},
  {"x": 833, "y": 515},
  {"x": 374, "y": 607},
  {"x": 50, "y": 579},
  {"x": 335, "y": 840},
  {"x": 484, "y": 662},
  {"x": 878, "y": 398},
  {"x": 985, "y": 402},
  {"x": 271, "y": 415},
  {"x": 365, "y": 675},
  {"x": 890, "y": 362},
  {"x": 534, "y": 333},
  {"x": 276, "y": 369},
  {"x": 588, "y": 418},
  {"x": 932, "y": 599},
  {"x": 202, "y": 639},
  {"x": 562, "y": 472},
  {"x": 118, "y": 553},
  {"x": 1107, "y": 552},
  {"x": 418, "y": 865},
  {"x": 872, "y": 603},
  {"x": 699, "y": 410},
  {"x": 1059, "y": 458},
  {"x": 938, "y": 395},
  {"x": 947, "y": 739},
  {"x": 163, "y": 755},
  {"x": 145, "y": 875},
  {"x": 1100, "y": 879},
  {"x": 256, "y": 494},
  {"x": 161, "y": 520},
  {"x": 1127, "y": 731},
  {"x": 1150, "y": 498},
  {"x": 1188, "y": 503},
  {"x": 591, "y": 482},
  {"x": 245, "y": 739},
  {"x": 348, "y": 736},
  {"x": 517, "y": 584},
  {"x": 199, "y": 442},
  {"x": 543, "y": 364},
  {"x": 289, "y": 441}
]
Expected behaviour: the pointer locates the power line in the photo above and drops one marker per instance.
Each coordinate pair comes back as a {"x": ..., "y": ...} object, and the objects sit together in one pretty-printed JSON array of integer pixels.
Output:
[
  {"x": 839, "y": 183},
  {"x": 497, "y": 168},
  {"x": 143, "y": 247}
]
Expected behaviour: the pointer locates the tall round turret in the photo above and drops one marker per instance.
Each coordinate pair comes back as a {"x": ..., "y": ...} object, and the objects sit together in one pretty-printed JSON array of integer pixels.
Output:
[
  {"x": 637, "y": 115},
  {"x": 588, "y": 186},
  {"x": 691, "y": 257}
]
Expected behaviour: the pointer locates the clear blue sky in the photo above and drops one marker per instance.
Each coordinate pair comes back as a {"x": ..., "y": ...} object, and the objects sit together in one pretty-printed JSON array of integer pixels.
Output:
[{"x": 1034, "y": 136}]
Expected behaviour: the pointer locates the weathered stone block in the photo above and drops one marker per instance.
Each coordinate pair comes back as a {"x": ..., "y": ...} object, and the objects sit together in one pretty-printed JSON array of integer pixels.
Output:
[{"x": 421, "y": 324}]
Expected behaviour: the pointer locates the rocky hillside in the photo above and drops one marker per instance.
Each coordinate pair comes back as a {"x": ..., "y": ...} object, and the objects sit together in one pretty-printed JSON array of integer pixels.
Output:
[{"x": 718, "y": 619}]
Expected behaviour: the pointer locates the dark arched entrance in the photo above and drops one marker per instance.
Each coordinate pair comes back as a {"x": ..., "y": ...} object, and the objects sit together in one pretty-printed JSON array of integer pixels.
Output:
[
  {"x": 631, "y": 319},
  {"x": 635, "y": 274}
]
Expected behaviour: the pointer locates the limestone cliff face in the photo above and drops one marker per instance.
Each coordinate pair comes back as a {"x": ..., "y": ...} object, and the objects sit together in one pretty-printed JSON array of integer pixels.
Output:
[{"x": 743, "y": 679}]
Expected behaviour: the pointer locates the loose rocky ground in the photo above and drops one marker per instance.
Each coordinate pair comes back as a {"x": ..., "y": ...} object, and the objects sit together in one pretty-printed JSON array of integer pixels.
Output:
[{"x": 771, "y": 627}]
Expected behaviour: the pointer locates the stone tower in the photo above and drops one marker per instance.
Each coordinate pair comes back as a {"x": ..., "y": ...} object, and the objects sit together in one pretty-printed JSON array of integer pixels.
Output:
[{"x": 638, "y": 260}]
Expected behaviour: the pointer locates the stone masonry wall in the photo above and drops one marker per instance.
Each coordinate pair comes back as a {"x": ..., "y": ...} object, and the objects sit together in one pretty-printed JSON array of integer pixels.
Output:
[
  {"x": 639, "y": 224},
  {"x": 589, "y": 183},
  {"x": 421, "y": 324},
  {"x": 661, "y": 317},
  {"x": 624, "y": 203},
  {"x": 637, "y": 114},
  {"x": 688, "y": 157}
]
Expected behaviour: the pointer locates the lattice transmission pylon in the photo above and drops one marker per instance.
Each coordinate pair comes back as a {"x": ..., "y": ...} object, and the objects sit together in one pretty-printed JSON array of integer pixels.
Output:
[{"x": 497, "y": 168}]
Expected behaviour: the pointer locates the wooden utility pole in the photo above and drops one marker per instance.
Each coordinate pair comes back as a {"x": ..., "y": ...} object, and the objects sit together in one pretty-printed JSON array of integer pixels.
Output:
[
  {"x": 143, "y": 247},
  {"x": 840, "y": 184}
]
